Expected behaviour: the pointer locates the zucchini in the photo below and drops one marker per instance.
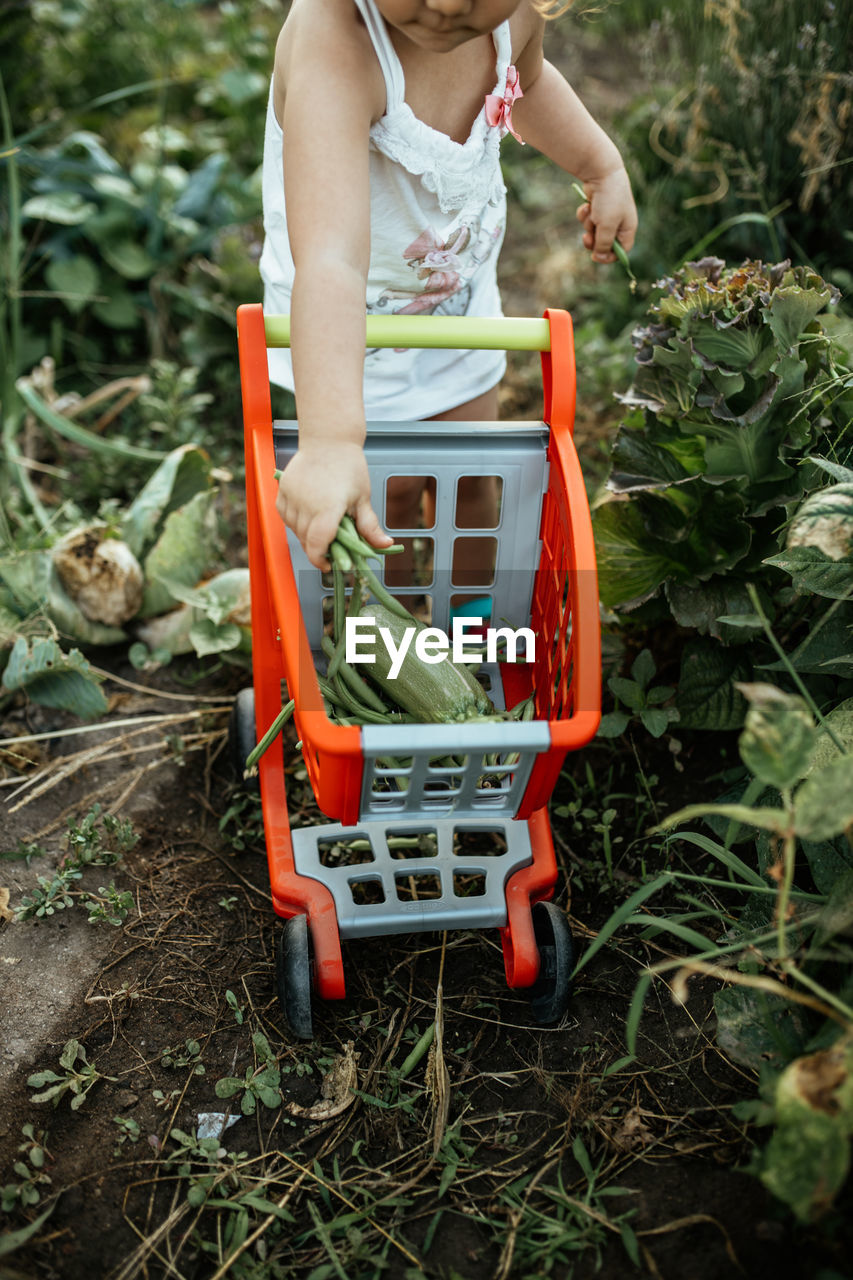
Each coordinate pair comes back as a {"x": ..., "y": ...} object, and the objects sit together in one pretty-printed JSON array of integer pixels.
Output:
[{"x": 433, "y": 693}]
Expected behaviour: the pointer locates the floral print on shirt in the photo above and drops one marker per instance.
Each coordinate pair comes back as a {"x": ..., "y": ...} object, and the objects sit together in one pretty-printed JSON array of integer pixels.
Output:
[{"x": 443, "y": 270}]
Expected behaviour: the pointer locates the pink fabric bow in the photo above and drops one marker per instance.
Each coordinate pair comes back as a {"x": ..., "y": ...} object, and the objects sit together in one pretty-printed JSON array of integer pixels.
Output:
[{"x": 499, "y": 110}]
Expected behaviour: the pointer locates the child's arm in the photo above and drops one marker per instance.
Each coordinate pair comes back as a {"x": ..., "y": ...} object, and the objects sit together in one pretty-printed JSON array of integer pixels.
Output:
[
  {"x": 330, "y": 98},
  {"x": 552, "y": 118}
]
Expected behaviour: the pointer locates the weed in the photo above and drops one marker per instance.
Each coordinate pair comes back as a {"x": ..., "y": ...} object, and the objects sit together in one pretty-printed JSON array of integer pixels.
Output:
[
  {"x": 642, "y": 699},
  {"x": 233, "y": 1005},
  {"x": 109, "y": 906},
  {"x": 242, "y": 822},
  {"x": 188, "y": 1056},
  {"x": 551, "y": 1227},
  {"x": 25, "y": 850},
  {"x": 79, "y": 1077},
  {"x": 101, "y": 839},
  {"x": 261, "y": 1083},
  {"x": 29, "y": 1171},
  {"x": 129, "y": 1131}
]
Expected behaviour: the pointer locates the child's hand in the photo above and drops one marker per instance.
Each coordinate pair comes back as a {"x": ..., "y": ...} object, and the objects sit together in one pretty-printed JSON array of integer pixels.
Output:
[
  {"x": 321, "y": 483},
  {"x": 608, "y": 214}
]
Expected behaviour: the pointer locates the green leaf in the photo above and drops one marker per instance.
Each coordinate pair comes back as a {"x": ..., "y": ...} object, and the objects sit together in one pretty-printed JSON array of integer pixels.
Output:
[
  {"x": 755, "y": 1027},
  {"x": 836, "y": 918},
  {"x": 630, "y": 567},
  {"x": 180, "y": 476},
  {"x": 829, "y": 861},
  {"x": 720, "y": 607},
  {"x": 643, "y": 668},
  {"x": 613, "y": 724},
  {"x": 655, "y": 720},
  {"x": 70, "y": 1053},
  {"x": 812, "y": 570},
  {"x": 64, "y": 207},
  {"x": 12, "y": 1240},
  {"x": 182, "y": 551},
  {"x": 55, "y": 679},
  {"x": 129, "y": 259},
  {"x": 779, "y": 735},
  {"x": 209, "y": 637},
  {"x": 627, "y": 691},
  {"x": 791, "y": 309},
  {"x": 823, "y": 804},
  {"x": 827, "y": 649},
  {"x": 761, "y": 816},
  {"x": 707, "y": 696},
  {"x": 74, "y": 279},
  {"x": 227, "y": 1086},
  {"x": 120, "y": 310}
]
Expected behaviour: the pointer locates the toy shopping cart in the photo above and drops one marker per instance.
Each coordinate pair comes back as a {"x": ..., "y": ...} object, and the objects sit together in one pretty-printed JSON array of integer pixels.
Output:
[{"x": 433, "y": 826}]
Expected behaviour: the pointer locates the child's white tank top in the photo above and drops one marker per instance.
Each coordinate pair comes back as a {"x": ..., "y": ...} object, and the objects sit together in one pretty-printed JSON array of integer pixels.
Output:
[{"x": 437, "y": 217}]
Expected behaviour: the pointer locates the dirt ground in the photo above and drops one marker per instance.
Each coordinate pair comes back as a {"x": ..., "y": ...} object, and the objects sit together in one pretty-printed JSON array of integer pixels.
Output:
[
  {"x": 659, "y": 1132},
  {"x": 464, "y": 1165}
]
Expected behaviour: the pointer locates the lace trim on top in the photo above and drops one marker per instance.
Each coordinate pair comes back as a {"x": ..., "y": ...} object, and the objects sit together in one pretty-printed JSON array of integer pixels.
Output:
[{"x": 461, "y": 175}]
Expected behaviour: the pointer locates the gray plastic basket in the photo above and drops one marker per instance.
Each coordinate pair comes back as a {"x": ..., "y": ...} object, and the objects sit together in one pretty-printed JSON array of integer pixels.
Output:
[{"x": 406, "y": 769}]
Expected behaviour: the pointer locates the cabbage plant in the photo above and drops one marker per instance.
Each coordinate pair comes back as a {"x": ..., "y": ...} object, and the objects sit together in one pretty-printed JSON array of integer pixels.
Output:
[{"x": 738, "y": 383}]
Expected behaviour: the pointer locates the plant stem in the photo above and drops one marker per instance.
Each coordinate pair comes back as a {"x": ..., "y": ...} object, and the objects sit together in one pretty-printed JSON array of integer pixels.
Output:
[{"x": 791, "y": 670}]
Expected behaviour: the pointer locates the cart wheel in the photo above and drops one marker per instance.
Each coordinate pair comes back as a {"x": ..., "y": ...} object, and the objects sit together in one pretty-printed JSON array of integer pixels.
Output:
[
  {"x": 294, "y": 965},
  {"x": 242, "y": 737},
  {"x": 549, "y": 995}
]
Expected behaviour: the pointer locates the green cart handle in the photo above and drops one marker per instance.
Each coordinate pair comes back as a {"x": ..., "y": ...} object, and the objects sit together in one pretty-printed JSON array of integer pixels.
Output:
[{"x": 467, "y": 333}]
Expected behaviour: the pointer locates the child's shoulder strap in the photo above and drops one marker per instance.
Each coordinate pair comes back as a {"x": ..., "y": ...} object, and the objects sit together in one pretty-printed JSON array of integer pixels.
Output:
[{"x": 385, "y": 52}]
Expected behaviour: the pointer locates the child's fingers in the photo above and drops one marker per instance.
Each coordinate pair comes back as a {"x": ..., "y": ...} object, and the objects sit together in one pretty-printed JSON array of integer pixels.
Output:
[
  {"x": 367, "y": 523},
  {"x": 316, "y": 537}
]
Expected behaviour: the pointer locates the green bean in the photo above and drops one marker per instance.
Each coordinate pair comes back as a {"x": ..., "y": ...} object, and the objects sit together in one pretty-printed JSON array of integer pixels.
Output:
[
  {"x": 340, "y": 557},
  {"x": 349, "y": 535},
  {"x": 618, "y": 249},
  {"x": 382, "y": 594},
  {"x": 357, "y": 686},
  {"x": 365, "y": 714},
  {"x": 268, "y": 739}
]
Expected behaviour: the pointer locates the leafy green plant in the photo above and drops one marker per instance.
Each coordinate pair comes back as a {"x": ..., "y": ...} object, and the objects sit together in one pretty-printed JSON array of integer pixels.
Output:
[
  {"x": 261, "y": 1083},
  {"x": 188, "y": 1056},
  {"x": 783, "y": 955},
  {"x": 643, "y": 700},
  {"x": 29, "y": 1170},
  {"x": 552, "y": 1226},
  {"x": 101, "y": 839},
  {"x": 738, "y": 386},
  {"x": 128, "y": 1131},
  {"x": 78, "y": 1078}
]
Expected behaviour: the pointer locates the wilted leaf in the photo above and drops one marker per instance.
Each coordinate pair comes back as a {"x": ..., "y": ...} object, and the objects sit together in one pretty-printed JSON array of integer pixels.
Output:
[{"x": 807, "y": 1158}]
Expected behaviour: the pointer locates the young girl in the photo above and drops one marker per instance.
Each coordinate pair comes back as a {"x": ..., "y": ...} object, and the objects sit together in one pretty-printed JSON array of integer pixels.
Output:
[{"x": 382, "y": 188}]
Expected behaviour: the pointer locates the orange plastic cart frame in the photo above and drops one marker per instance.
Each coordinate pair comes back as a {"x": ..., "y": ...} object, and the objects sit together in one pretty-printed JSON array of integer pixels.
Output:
[{"x": 568, "y": 690}]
